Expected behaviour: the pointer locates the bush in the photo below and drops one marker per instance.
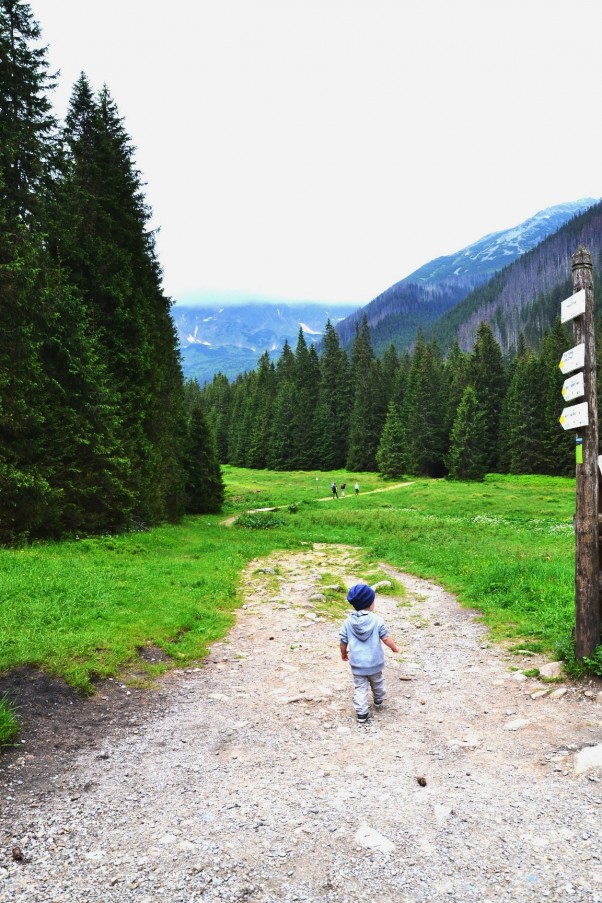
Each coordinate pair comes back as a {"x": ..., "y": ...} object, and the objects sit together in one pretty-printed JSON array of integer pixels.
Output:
[{"x": 259, "y": 520}]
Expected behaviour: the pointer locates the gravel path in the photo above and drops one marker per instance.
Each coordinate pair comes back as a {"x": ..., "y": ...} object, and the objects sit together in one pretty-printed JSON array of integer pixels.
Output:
[{"x": 257, "y": 784}]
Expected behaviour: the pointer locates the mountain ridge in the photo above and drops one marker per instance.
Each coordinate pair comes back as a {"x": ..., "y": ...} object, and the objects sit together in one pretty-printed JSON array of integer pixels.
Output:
[{"x": 435, "y": 288}]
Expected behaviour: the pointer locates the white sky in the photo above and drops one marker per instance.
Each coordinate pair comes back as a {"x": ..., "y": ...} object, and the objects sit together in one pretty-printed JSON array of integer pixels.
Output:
[{"x": 324, "y": 149}]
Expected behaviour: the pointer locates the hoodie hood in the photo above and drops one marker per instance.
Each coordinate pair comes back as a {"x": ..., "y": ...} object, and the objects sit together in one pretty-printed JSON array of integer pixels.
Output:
[{"x": 362, "y": 624}]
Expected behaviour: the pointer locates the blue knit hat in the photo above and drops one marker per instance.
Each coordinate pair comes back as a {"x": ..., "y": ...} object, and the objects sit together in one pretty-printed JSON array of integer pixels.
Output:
[{"x": 361, "y": 596}]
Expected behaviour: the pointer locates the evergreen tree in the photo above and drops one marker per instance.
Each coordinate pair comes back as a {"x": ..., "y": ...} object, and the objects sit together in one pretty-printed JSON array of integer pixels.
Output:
[
  {"x": 390, "y": 450},
  {"x": 466, "y": 458},
  {"x": 558, "y": 455},
  {"x": 363, "y": 432},
  {"x": 261, "y": 412},
  {"x": 523, "y": 415},
  {"x": 281, "y": 450},
  {"x": 489, "y": 380},
  {"x": 332, "y": 411},
  {"x": 423, "y": 412},
  {"x": 204, "y": 482},
  {"x": 27, "y": 127},
  {"x": 217, "y": 398},
  {"x": 306, "y": 380},
  {"x": 27, "y": 498},
  {"x": 457, "y": 377},
  {"x": 103, "y": 242}
]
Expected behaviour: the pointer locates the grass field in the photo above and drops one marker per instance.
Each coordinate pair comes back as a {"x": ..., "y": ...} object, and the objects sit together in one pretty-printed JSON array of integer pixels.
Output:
[{"x": 83, "y": 610}]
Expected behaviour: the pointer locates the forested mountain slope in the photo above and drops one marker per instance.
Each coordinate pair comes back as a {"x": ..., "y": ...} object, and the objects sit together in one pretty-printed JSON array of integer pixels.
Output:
[
  {"x": 525, "y": 296},
  {"x": 437, "y": 287}
]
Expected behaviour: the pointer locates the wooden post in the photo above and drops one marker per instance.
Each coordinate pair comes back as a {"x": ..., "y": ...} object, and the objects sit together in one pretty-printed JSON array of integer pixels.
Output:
[{"x": 587, "y": 568}]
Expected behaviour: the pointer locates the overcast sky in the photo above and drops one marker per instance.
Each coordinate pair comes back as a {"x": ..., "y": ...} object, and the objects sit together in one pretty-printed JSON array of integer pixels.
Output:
[{"x": 324, "y": 149}]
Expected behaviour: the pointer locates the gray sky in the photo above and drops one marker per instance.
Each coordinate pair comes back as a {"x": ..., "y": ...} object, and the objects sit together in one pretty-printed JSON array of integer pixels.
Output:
[{"x": 324, "y": 149}]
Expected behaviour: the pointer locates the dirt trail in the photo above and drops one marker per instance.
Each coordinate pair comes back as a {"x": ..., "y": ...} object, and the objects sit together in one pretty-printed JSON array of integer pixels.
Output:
[
  {"x": 229, "y": 521},
  {"x": 254, "y": 783}
]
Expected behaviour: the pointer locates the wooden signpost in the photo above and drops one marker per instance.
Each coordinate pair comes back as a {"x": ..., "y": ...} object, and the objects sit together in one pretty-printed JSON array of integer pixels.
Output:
[{"x": 584, "y": 417}]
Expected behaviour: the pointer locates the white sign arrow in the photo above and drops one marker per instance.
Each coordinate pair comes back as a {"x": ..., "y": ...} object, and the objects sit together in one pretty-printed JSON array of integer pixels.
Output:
[
  {"x": 576, "y": 415},
  {"x": 573, "y": 358},
  {"x": 573, "y": 306},
  {"x": 573, "y": 387}
]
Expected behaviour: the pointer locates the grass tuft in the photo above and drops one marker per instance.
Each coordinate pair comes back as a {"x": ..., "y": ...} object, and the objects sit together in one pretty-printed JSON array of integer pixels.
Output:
[{"x": 9, "y": 725}]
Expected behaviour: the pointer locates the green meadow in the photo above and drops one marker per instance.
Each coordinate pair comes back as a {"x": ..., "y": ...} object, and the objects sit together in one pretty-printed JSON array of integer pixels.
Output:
[{"x": 83, "y": 610}]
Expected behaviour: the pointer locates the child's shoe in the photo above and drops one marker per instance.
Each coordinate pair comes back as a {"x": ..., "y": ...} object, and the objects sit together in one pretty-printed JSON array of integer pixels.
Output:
[
  {"x": 361, "y": 719},
  {"x": 379, "y": 705}
]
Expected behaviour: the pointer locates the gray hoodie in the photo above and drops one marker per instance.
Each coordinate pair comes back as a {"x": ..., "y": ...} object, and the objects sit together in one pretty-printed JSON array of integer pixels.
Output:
[{"x": 363, "y": 632}]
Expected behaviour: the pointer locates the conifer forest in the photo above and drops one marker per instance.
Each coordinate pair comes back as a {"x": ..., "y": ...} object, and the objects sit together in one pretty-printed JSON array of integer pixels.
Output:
[
  {"x": 416, "y": 413},
  {"x": 97, "y": 432}
]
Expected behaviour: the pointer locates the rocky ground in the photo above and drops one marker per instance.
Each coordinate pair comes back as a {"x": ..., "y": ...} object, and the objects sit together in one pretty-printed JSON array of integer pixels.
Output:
[{"x": 249, "y": 779}]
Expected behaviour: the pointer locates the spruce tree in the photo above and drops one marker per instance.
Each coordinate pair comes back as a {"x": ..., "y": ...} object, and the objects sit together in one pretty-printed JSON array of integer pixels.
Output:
[
  {"x": 332, "y": 411},
  {"x": 306, "y": 381},
  {"x": 423, "y": 412},
  {"x": 363, "y": 433},
  {"x": 390, "y": 457},
  {"x": 466, "y": 457},
  {"x": 204, "y": 482},
  {"x": 108, "y": 251},
  {"x": 558, "y": 455},
  {"x": 488, "y": 377},
  {"x": 27, "y": 148},
  {"x": 261, "y": 413},
  {"x": 523, "y": 416},
  {"x": 282, "y": 445}
]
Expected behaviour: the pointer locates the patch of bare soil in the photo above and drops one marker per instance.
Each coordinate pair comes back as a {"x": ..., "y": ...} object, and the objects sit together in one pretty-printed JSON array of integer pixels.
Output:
[{"x": 251, "y": 780}]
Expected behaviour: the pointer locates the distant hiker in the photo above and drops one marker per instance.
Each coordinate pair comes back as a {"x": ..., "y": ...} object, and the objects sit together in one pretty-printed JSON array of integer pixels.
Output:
[
  {"x": 335, "y": 494},
  {"x": 343, "y": 487},
  {"x": 361, "y": 636},
  {"x": 357, "y": 488}
]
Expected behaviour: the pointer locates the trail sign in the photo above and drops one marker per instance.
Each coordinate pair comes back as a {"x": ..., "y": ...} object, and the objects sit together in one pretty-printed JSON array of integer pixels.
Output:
[
  {"x": 573, "y": 358},
  {"x": 573, "y": 387},
  {"x": 576, "y": 415},
  {"x": 573, "y": 306}
]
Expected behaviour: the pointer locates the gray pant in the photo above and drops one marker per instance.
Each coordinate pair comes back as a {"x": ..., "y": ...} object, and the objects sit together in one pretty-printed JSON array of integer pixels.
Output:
[{"x": 364, "y": 682}]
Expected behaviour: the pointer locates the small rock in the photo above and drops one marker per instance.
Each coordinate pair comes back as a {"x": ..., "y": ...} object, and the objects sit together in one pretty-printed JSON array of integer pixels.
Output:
[
  {"x": 539, "y": 693},
  {"x": 516, "y": 725},
  {"x": 442, "y": 813},
  {"x": 186, "y": 846},
  {"x": 559, "y": 693},
  {"x": 519, "y": 677},
  {"x": 421, "y": 781},
  {"x": 382, "y": 584},
  {"x": 551, "y": 669},
  {"x": 370, "y": 839},
  {"x": 590, "y": 757}
]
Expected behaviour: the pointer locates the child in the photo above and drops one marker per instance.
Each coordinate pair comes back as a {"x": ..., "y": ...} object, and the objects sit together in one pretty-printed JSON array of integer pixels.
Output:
[{"x": 361, "y": 636}]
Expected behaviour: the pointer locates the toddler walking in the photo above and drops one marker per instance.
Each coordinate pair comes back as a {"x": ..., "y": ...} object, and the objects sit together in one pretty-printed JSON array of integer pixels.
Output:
[{"x": 361, "y": 636}]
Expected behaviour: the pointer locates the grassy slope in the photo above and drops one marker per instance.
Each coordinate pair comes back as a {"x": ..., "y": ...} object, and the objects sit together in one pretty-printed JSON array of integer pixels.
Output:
[{"x": 82, "y": 609}]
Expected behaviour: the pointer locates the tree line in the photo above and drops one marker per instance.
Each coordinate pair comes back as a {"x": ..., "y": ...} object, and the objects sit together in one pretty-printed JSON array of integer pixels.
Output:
[
  {"x": 417, "y": 413},
  {"x": 97, "y": 430}
]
